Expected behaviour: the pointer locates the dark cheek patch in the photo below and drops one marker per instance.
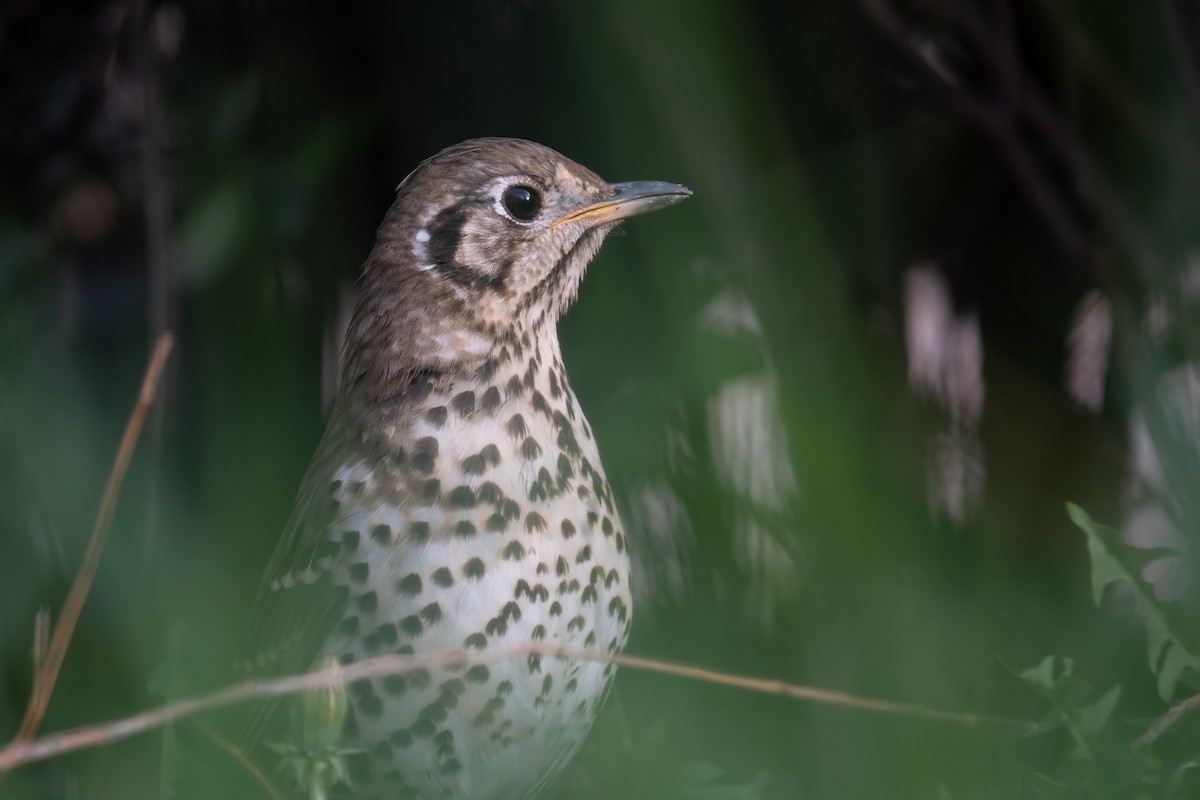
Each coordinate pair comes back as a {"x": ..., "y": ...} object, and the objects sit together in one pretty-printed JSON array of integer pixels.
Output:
[{"x": 446, "y": 232}]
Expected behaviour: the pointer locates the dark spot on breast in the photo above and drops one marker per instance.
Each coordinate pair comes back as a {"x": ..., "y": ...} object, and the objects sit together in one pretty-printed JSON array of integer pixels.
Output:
[
  {"x": 556, "y": 609},
  {"x": 425, "y": 454},
  {"x": 432, "y": 613},
  {"x": 465, "y": 529},
  {"x": 560, "y": 567},
  {"x": 409, "y": 585},
  {"x": 477, "y": 674},
  {"x": 521, "y": 589},
  {"x": 437, "y": 416},
  {"x": 473, "y": 568},
  {"x": 489, "y": 493},
  {"x": 535, "y": 522},
  {"x": 401, "y": 738},
  {"x": 514, "y": 551},
  {"x": 496, "y": 627},
  {"x": 381, "y": 533},
  {"x": 547, "y": 684},
  {"x": 566, "y": 441},
  {"x": 511, "y": 611},
  {"x": 535, "y": 662},
  {"x": 593, "y": 518},
  {"x": 607, "y": 526},
  {"x": 565, "y": 470},
  {"x": 539, "y": 403},
  {"x": 584, "y": 554},
  {"x": 616, "y": 607},
  {"x": 588, "y": 596},
  {"x": 490, "y": 400},
  {"x": 516, "y": 427},
  {"x": 510, "y": 509},
  {"x": 434, "y": 711},
  {"x": 423, "y": 728},
  {"x": 387, "y": 635},
  {"x": 475, "y": 641},
  {"x": 590, "y": 641},
  {"x": 442, "y": 577},
  {"x": 568, "y": 529},
  {"x": 474, "y": 465},
  {"x": 555, "y": 390},
  {"x": 513, "y": 387},
  {"x": 419, "y": 531},
  {"x": 412, "y": 625},
  {"x": 368, "y": 602},
  {"x": 370, "y": 706},
  {"x": 394, "y": 685},
  {"x": 539, "y": 633},
  {"x": 450, "y": 767},
  {"x": 359, "y": 572},
  {"x": 461, "y": 497},
  {"x": 540, "y": 593},
  {"x": 530, "y": 449},
  {"x": 542, "y": 569},
  {"x": 350, "y": 541},
  {"x": 463, "y": 403},
  {"x": 496, "y": 523},
  {"x": 430, "y": 489},
  {"x": 576, "y": 623}
]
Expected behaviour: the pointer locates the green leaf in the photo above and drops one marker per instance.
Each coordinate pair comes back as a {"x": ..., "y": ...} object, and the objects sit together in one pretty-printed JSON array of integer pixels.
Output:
[{"x": 1113, "y": 560}]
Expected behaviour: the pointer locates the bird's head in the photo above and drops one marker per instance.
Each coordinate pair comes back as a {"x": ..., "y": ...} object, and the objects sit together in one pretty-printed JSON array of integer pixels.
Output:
[{"x": 486, "y": 241}]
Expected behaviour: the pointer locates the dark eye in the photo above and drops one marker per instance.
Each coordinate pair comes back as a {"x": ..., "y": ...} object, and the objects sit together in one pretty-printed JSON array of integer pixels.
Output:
[{"x": 522, "y": 202}]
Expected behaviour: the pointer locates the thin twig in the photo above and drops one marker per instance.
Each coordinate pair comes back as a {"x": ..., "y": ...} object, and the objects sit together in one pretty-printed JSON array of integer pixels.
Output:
[
  {"x": 1176, "y": 713},
  {"x": 237, "y": 754},
  {"x": 23, "y": 752},
  {"x": 46, "y": 672}
]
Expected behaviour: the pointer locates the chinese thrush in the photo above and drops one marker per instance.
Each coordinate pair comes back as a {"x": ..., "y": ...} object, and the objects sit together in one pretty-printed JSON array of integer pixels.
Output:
[{"x": 457, "y": 500}]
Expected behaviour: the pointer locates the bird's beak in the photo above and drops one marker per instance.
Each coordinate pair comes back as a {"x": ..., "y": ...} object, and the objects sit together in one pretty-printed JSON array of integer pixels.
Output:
[{"x": 629, "y": 199}]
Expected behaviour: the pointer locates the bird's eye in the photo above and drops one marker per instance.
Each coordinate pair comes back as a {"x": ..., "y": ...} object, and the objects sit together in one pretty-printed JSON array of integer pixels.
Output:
[{"x": 522, "y": 202}]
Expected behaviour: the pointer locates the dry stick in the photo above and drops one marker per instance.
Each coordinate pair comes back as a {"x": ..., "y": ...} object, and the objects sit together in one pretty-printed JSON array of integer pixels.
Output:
[
  {"x": 23, "y": 752},
  {"x": 1168, "y": 719},
  {"x": 46, "y": 673},
  {"x": 237, "y": 754}
]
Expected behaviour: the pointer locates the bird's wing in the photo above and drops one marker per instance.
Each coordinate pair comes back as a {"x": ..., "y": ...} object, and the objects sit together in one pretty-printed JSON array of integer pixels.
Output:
[{"x": 298, "y": 603}]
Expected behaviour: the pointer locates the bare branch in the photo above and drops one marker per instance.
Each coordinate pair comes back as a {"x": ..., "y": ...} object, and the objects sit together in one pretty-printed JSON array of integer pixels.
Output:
[
  {"x": 47, "y": 669},
  {"x": 21, "y": 752},
  {"x": 1173, "y": 715}
]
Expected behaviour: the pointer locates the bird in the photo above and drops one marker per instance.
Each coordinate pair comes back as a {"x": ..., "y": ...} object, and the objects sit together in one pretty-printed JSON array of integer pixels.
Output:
[{"x": 456, "y": 500}]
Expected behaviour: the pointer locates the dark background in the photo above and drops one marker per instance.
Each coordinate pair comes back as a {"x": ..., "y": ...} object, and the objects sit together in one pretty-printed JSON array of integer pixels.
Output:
[{"x": 218, "y": 168}]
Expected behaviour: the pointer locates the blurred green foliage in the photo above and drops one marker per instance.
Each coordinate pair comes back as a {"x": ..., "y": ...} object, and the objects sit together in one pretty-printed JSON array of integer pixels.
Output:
[{"x": 827, "y": 159}]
